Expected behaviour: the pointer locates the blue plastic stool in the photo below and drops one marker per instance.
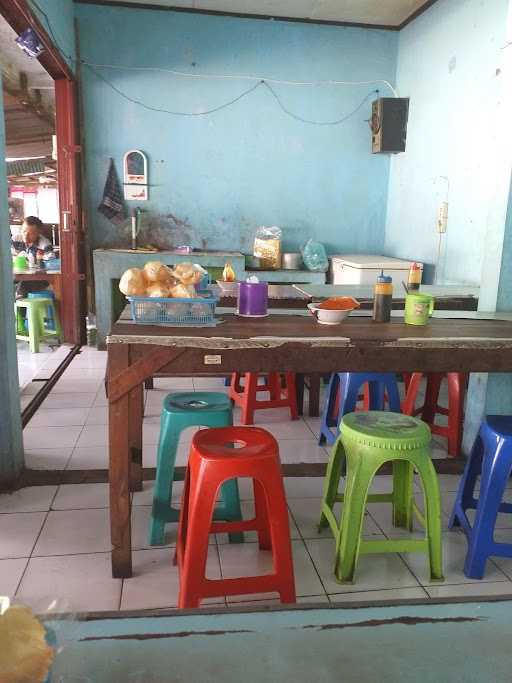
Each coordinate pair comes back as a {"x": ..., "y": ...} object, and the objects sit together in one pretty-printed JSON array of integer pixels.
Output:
[
  {"x": 382, "y": 386},
  {"x": 179, "y": 411},
  {"x": 45, "y": 294},
  {"x": 491, "y": 457}
]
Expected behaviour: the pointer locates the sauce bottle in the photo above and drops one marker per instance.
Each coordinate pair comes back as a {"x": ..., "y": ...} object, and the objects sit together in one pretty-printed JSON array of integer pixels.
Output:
[
  {"x": 383, "y": 299},
  {"x": 228, "y": 274},
  {"x": 414, "y": 280}
]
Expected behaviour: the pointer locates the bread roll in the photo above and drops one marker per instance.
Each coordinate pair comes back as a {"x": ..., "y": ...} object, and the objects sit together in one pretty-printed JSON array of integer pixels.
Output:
[
  {"x": 183, "y": 292},
  {"x": 26, "y": 656},
  {"x": 158, "y": 289},
  {"x": 133, "y": 282},
  {"x": 155, "y": 271},
  {"x": 188, "y": 273}
]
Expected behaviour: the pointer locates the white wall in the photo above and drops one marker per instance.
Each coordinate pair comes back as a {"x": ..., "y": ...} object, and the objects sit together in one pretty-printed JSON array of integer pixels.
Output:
[{"x": 448, "y": 64}]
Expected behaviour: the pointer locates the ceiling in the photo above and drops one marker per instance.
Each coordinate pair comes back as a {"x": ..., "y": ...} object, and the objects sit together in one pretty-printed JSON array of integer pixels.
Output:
[
  {"x": 26, "y": 133},
  {"x": 29, "y": 98},
  {"x": 376, "y": 12}
]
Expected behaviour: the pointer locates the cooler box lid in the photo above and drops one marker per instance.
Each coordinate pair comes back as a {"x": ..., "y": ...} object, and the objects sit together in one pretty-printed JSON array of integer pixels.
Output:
[{"x": 372, "y": 261}]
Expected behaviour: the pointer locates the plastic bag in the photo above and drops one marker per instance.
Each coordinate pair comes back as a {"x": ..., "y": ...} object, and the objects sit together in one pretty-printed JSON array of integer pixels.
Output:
[
  {"x": 267, "y": 247},
  {"x": 315, "y": 256},
  {"x": 189, "y": 273},
  {"x": 33, "y": 639}
]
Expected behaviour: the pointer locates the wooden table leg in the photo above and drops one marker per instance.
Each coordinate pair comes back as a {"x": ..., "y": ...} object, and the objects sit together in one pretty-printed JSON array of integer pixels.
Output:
[
  {"x": 56, "y": 284},
  {"x": 299, "y": 390},
  {"x": 136, "y": 405},
  {"x": 119, "y": 468},
  {"x": 314, "y": 394}
]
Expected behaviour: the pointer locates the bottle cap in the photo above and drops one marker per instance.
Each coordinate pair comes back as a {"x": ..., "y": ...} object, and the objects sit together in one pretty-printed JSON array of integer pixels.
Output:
[
  {"x": 415, "y": 266},
  {"x": 384, "y": 279}
]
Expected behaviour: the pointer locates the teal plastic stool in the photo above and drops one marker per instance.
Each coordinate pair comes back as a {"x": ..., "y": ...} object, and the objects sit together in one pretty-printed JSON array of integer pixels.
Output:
[{"x": 179, "y": 411}]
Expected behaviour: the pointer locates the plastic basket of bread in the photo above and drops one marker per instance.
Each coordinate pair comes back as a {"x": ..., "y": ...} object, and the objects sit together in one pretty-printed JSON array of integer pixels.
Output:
[{"x": 164, "y": 295}]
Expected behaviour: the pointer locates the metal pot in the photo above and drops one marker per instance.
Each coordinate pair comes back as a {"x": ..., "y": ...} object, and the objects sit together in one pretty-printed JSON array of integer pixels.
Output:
[{"x": 291, "y": 261}]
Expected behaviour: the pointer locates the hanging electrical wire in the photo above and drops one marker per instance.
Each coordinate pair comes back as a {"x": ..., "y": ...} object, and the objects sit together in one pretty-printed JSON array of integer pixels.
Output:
[
  {"x": 150, "y": 107},
  {"x": 207, "y": 112},
  {"x": 240, "y": 77},
  {"x": 260, "y": 81},
  {"x": 337, "y": 122}
]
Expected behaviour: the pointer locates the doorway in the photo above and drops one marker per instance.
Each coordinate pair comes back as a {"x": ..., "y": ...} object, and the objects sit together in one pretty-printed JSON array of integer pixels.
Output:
[
  {"x": 32, "y": 183},
  {"x": 43, "y": 174}
]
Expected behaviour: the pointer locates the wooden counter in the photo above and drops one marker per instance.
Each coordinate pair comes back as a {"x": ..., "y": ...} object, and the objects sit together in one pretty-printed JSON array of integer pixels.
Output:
[{"x": 421, "y": 641}]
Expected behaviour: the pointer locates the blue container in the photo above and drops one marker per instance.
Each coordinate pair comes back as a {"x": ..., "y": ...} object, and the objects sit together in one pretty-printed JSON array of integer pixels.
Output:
[
  {"x": 162, "y": 311},
  {"x": 51, "y": 264},
  {"x": 204, "y": 282},
  {"x": 45, "y": 294}
]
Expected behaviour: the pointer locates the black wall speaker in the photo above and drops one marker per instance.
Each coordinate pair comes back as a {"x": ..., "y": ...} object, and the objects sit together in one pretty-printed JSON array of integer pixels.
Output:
[{"x": 389, "y": 124}]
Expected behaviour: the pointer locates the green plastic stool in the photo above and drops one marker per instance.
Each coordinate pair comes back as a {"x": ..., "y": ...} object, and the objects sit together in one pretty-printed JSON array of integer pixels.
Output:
[
  {"x": 179, "y": 411},
  {"x": 36, "y": 312},
  {"x": 367, "y": 441}
]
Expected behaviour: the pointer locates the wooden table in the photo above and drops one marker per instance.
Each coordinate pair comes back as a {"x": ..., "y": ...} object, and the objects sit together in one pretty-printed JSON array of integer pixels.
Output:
[
  {"x": 279, "y": 296},
  {"x": 281, "y": 342},
  {"x": 450, "y": 640},
  {"x": 54, "y": 277},
  {"x": 448, "y": 297}
]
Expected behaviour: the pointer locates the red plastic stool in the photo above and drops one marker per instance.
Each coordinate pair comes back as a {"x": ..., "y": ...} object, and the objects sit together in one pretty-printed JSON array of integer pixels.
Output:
[
  {"x": 217, "y": 455},
  {"x": 457, "y": 382},
  {"x": 246, "y": 395}
]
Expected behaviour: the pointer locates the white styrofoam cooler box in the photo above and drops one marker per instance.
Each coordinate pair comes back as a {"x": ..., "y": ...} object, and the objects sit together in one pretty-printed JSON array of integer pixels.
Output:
[{"x": 363, "y": 269}]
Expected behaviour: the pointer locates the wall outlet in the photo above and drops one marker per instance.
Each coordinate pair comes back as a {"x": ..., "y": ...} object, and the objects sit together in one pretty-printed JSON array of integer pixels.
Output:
[{"x": 442, "y": 218}]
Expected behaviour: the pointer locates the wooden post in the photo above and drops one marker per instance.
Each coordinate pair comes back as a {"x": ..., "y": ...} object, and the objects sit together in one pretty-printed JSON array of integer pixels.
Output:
[
  {"x": 11, "y": 444},
  {"x": 71, "y": 232},
  {"x": 119, "y": 466}
]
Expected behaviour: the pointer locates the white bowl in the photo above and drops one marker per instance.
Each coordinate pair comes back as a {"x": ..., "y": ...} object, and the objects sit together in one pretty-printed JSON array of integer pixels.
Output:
[
  {"x": 228, "y": 288},
  {"x": 328, "y": 317}
]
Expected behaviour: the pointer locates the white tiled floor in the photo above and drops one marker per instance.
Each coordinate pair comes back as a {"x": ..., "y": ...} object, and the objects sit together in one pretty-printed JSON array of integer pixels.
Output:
[
  {"x": 54, "y": 540},
  {"x": 32, "y": 365},
  {"x": 76, "y": 582},
  {"x": 69, "y": 431},
  {"x": 38, "y": 366}
]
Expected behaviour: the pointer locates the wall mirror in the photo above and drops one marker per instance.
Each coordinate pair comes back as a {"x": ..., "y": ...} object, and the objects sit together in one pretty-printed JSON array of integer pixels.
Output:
[{"x": 135, "y": 167}]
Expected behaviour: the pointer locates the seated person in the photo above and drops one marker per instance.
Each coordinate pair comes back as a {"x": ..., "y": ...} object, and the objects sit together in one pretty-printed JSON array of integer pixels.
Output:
[{"x": 31, "y": 242}]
